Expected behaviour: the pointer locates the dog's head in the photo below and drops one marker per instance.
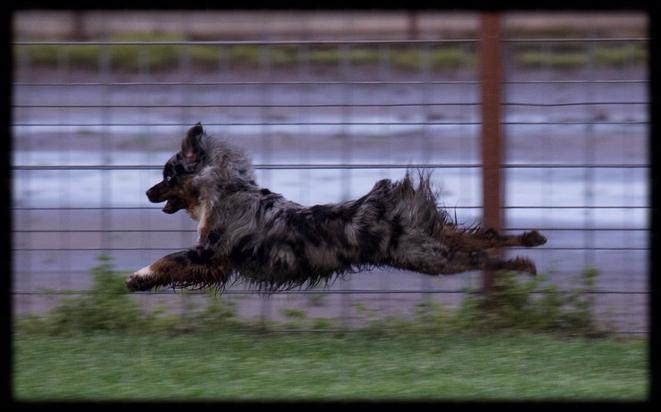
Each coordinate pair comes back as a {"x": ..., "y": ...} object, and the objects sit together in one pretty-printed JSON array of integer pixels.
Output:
[
  {"x": 176, "y": 189},
  {"x": 223, "y": 165}
]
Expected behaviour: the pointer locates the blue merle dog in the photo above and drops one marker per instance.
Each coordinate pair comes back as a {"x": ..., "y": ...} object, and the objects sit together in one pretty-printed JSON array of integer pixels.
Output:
[{"x": 249, "y": 233}]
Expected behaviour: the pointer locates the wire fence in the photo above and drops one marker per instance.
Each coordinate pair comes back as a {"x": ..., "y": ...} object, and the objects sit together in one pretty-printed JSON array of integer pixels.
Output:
[{"x": 94, "y": 121}]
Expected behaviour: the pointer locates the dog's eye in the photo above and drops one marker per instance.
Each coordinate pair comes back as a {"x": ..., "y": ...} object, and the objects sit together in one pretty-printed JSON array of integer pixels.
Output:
[{"x": 168, "y": 179}]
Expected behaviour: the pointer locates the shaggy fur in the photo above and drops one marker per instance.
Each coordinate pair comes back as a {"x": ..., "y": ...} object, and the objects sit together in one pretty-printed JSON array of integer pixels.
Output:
[{"x": 252, "y": 234}]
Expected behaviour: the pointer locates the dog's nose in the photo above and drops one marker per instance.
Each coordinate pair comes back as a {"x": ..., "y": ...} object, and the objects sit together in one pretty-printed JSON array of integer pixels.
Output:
[{"x": 152, "y": 195}]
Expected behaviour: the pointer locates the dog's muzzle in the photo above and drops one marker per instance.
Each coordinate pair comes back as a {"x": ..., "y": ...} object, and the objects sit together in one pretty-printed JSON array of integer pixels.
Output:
[{"x": 159, "y": 193}]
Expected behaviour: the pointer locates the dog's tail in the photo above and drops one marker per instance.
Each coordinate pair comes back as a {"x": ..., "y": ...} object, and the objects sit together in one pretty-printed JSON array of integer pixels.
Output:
[{"x": 416, "y": 204}]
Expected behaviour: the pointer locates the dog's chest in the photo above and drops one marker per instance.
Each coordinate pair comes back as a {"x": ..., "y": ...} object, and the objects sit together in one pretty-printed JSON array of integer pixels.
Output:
[
  {"x": 199, "y": 213},
  {"x": 196, "y": 212}
]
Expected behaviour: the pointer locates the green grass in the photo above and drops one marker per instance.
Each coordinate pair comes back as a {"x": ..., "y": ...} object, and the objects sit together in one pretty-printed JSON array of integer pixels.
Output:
[
  {"x": 508, "y": 345},
  {"x": 603, "y": 56},
  {"x": 169, "y": 57},
  {"x": 324, "y": 366}
]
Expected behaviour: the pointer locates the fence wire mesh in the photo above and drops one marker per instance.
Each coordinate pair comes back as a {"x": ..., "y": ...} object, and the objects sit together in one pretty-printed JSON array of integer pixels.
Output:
[{"x": 93, "y": 122}]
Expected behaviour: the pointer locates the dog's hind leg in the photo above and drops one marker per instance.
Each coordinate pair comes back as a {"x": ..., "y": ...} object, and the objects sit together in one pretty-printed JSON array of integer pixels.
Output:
[
  {"x": 429, "y": 256},
  {"x": 192, "y": 267},
  {"x": 481, "y": 260},
  {"x": 419, "y": 253},
  {"x": 481, "y": 239}
]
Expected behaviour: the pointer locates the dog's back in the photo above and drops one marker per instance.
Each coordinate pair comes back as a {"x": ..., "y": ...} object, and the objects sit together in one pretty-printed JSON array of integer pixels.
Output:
[{"x": 273, "y": 241}]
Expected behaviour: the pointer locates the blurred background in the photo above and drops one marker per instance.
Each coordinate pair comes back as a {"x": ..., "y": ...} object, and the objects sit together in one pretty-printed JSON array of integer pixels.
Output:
[{"x": 326, "y": 103}]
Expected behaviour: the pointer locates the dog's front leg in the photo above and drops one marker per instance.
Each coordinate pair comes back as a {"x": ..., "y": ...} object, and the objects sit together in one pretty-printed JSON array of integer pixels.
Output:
[{"x": 192, "y": 267}]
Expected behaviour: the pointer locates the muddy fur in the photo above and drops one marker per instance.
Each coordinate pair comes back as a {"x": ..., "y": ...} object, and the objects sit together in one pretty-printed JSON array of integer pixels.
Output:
[{"x": 251, "y": 234}]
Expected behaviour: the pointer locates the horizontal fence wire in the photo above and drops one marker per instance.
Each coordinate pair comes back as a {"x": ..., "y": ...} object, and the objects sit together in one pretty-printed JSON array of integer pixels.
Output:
[
  {"x": 352, "y": 331},
  {"x": 577, "y": 123},
  {"x": 320, "y": 290},
  {"x": 320, "y": 42},
  {"x": 610, "y": 229},
  {"x": 240, "y": 105},
  {"x": 319, "y": 83},
  {"x": 468, "y": 123},
  {"x": 453, "y": 207},
  {"x": 231, "y": 42},
  {"x": 328, "y": 291},
  {"x": 351, "y": 166},
  {"x": 100, "y": 249}
]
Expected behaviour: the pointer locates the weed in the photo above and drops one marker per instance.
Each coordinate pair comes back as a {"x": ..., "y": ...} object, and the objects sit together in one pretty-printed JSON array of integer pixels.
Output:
[
  {"x": 513, "y": 306},
  {"x": 322, "y": 323},
  {"x": 516, "y": 305},
  {"x": 293, "y": 313},
  {"x": 108, "y": 308}
]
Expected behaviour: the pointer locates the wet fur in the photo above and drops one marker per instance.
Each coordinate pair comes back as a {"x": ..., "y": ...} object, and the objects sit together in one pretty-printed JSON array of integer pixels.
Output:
[{"x": 249, "y": 233}]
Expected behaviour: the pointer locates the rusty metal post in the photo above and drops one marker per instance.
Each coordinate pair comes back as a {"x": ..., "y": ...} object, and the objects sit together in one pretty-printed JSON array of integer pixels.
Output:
[{"x": 490, "y": 61}]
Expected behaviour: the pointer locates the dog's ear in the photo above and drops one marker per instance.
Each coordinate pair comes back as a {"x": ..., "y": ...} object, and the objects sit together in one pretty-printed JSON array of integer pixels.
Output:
[{"x": 191, "y": 147}]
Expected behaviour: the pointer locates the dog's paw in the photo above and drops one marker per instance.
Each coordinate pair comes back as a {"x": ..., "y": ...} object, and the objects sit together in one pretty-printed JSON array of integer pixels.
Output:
[
  {"x": 140, "y": 280},
  {"x": 521, "y": 264},
  {"x": 532, "y": 238}
]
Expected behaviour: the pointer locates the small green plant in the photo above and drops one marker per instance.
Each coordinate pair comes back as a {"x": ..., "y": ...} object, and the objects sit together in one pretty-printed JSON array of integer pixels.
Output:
[
  {"x": 572, "y": 57},
  {"x": 363, "y": 310},
  {"x": 295, "y": 318},
  {"x": 293, "y": 313},
  {"x": 106, "y": 307},
  {"x": 322, "y": 323},
  {"x": 434, "y": 317},
  {"x": 516, "y": 305}
]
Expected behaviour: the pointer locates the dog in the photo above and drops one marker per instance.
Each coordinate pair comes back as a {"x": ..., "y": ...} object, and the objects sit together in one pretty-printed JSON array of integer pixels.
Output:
[{"x": 249, "y": 233}]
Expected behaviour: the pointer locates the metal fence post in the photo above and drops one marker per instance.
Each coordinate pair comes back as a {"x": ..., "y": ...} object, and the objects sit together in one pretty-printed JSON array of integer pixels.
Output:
[{"x": 492, "y": 148}]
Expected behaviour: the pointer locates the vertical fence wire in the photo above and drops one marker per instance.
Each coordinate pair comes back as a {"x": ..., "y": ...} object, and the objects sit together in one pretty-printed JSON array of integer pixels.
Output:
[
  {"x": 344, "y": 61},
  {"x": 303, "y": 151},
  {"x": 26, "y": 263},
  {"x": 64, "y": 158},
  {"x": 385, "y": 75},
  {"x": 186, "y": 118},
  {"x": 465, "y": 144},
  {"x": 427, "y": 143},
  {"x": 547, "y": 190},
  {"x": 588, "y": 156},
  {"x": 303, "y": 63},
  {"x": 105, "y": 62},
  {"x": 266, "y": 148},
  {"x": 628, "y": 185},
  {"x": 145, "y": 74}
]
